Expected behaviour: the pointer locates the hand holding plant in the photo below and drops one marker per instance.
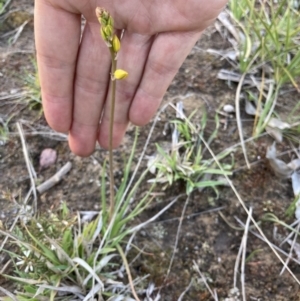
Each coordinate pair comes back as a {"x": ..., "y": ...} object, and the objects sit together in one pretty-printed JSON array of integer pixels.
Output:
[{"x": 74, "y": 70}]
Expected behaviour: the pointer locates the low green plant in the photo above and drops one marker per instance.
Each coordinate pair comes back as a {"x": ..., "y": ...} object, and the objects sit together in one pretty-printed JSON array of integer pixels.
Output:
[
  {"x": 4, "y": 132},
  {"x": 268, "y": 53},
  {"x": 238, "y": 8},
  {"x": 185, "y": 160},
  {"x": 2, "y": 4},
  {"x": 271, "y": 37},
  {"x": 58, "y": 253},
  {"x": 33, "y": 97}
]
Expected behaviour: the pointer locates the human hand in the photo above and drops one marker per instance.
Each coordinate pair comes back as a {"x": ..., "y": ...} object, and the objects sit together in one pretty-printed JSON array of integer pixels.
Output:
[{"x": 75, "y": 74}]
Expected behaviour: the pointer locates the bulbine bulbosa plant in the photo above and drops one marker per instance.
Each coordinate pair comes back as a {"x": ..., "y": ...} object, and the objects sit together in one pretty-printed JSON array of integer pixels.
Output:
[{"x": 113, "y": 43}]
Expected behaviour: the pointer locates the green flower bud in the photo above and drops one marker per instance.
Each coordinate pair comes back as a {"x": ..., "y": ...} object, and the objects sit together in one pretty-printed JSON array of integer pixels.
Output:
[
  {"x": 102, "y": 33},
  {"x": 110, "y": 21},
  {"x": 102, "y": 16},
  {"x": 108, "y": 32}
]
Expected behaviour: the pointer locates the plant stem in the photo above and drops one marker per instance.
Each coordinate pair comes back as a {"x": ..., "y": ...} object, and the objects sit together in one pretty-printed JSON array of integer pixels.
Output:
[
  {"x": 125, "y": 262},
  {"x": 111, "y": 128}
]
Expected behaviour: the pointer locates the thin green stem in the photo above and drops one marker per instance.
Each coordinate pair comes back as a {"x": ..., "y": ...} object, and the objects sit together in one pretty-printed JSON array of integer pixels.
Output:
[{"x": 111, "y": 128}]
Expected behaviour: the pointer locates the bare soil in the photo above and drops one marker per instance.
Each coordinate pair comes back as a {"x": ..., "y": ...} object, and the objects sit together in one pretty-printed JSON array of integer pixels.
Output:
[{"x": 205, "y": 237}]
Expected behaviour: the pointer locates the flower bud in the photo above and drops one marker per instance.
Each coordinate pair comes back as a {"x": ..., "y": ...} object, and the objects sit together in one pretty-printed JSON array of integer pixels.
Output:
[
  {"x": 104, "y": 17},
  {"x": 108, "y": 30},
  {"x": 116, "y": 44},
  {"x": 120, "y": 74},
  {"x": 103, "y": 35},
  {"x": 99, "y": 12}
]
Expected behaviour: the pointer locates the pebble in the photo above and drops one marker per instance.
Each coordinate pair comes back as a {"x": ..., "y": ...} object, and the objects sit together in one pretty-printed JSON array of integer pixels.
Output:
[
  {"x": 47, "y": 158},
  {"x": 229, "y": 108}
]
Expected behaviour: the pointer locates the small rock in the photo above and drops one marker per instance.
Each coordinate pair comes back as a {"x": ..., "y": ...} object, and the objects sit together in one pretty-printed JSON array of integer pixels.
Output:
[
  {"x": 229, "y": 109},
  {"x": 13, "y": 91},
  {"x": 47, "y": 158}
]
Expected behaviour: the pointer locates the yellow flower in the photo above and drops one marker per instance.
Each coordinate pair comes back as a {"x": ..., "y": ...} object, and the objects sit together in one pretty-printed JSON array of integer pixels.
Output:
[
  {"x": 116, "y": 44},
  {"x": 120, "y": 74}
]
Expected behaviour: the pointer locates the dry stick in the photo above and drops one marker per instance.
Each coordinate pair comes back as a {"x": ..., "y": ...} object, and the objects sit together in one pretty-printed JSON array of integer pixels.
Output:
[
  {"x": 18, "y": 33},
  {"x": 196, "y": 267},
  {"x": 238, "y": 111},
  {"x": 295, "y": 223},
  {"x": 177, "y": 237},
  {"x": 259, "y": 102},
  {"x": 291, "y": 250},
  {"x": 236, "y": 266},
  {"x": 238, "y": 117},
  {"x": 242, "y": 253},
  {"x": 153, "y": 218},
  {"x": 192, "y": 215},
  {"x": 244, "y": 242},
  {"x": 12, "y": 96},
  {"x": 247, "y": 211},
  {"x": 30, "y": 168},
  {"x": 54, "y": 179},
  {"x": 263, "y": 239},
  {"x": 128, "y": 272},
  {"x": 185, "y": 291},
  {"x": 8, "y": 294}
]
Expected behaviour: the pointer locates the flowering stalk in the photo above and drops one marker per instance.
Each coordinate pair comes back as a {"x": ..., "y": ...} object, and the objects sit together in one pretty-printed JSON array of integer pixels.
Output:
[{"x": 113, "y": 43}]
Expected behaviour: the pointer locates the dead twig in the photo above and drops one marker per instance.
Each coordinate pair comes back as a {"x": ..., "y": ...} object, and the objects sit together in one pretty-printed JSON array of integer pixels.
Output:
[
  {"x": 54, "y": 179},
  {"x": 244, "y": 244},
  {"x": 31, "y": 171},
  {"x": 185, "y": 291},
  {"x": 177, "y": 237},
  {"x": 197, "y": 269}
]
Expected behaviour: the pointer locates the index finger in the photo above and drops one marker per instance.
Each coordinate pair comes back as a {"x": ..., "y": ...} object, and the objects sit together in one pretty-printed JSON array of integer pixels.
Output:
[{"x": 57, "y": 36}]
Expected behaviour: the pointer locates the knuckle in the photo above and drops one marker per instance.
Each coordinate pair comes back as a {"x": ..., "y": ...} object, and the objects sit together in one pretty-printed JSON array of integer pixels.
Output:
[
  {"x": 161, "y": 68},
  {"x": 89, "y": 84},
  {"x": 53, "y": 62},
  {"x": 125, "y": 93}
]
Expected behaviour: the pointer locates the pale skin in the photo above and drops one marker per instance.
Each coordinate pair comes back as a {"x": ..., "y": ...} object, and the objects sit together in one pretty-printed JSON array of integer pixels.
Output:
[{"x": 75, "y": 74}]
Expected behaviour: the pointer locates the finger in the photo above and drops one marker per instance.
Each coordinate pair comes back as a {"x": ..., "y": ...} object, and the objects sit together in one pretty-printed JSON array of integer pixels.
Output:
[
  {"x": 132, "y": 58},
  {"x": 90, "y": 88},
  {"x": 167, "y": 54},
  {"x": 57, "y": 35}
]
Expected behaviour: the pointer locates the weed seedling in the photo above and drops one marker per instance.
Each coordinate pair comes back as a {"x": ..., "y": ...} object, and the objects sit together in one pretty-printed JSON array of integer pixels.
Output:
[
  {"x": 33, "y": 98},
  {"x": 185, "y": 160}
]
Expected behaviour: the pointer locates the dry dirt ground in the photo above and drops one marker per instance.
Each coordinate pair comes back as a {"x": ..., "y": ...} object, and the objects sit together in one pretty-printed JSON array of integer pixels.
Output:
[{"x": 205, "y": 236}]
